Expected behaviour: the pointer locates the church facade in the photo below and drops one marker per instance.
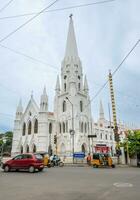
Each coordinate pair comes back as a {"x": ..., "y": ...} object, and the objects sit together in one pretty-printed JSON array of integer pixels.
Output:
[{"x": 67, "y": 128}]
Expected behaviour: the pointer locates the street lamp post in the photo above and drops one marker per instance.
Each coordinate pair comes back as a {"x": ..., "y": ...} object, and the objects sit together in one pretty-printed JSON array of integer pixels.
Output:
[{"x": 72, "y": 131}]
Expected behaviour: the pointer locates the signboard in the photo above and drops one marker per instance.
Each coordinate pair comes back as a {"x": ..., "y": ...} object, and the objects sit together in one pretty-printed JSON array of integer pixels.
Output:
[
  {"x": 101, "y": 149},
  {"x": 79, "y": 155}
]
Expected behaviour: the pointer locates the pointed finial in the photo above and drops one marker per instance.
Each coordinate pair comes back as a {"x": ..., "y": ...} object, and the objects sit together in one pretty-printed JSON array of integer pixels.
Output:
[
  {"x": 85, "y": 84},
  {"x": 31, "y": 94},
  {"x": 57, "y": 88},
  {"x": 19, "y": 107},
  {"x": 44, "y": 91},
  {"x": 71, "y": 46}
]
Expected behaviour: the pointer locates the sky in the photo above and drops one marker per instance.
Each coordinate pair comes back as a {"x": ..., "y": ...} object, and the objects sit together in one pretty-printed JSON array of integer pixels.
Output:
[{"x": 105, "y": 33}]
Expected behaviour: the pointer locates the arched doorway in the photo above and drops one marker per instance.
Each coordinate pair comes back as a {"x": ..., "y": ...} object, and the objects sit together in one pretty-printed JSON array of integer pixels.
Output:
[
  {"x": 84, "y": 148},
  {"x": 63, "y": 149},
  {"x": 27, "y": 148},
  {"x": 21, "y": 149},
  {"x": 34, "y": 148}
]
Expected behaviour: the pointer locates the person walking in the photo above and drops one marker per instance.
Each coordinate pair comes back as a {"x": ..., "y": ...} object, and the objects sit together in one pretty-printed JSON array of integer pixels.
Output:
[{"x": 89, "y": 159}]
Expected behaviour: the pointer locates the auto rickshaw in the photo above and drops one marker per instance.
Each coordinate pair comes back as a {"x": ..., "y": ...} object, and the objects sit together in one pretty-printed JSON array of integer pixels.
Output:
[
  {"x": 102, "y": 160},
  {"x": 46, "y": 159}
]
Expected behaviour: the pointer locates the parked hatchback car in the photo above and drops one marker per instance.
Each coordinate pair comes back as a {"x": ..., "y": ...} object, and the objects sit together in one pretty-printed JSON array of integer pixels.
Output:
[{"x": 28, "y": 161}]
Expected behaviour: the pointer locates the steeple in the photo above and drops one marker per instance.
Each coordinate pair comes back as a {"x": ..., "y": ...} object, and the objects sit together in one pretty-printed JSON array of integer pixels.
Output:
[
  {"x": 19, "y": 109},
  {"x": 44, "y": 101},
  {"x": 101, "y": 111},
  {"x": 86, "y": 85},
  {"x": 71, "y": 46},
  {"x": 57, "y": 87}
]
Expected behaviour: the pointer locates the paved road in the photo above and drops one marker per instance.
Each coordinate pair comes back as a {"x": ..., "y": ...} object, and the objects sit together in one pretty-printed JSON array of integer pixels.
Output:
[{"x": 72, "y": 183}]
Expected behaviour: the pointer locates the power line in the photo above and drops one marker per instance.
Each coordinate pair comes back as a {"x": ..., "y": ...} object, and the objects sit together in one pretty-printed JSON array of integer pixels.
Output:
[
  {"x": 28, "y": 21},
  {"x": 118, "y": 67},
  {"x": 29, "y": 57},
  {"x": 58, "y": 9},
  {"x": 6, "y": 5},
  {"x": 8, "y": 115}
]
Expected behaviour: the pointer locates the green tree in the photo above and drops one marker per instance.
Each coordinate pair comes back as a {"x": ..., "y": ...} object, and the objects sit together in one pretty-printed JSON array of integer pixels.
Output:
[
  {"x": 134, "y": 143},
  {"x": 8, "y": 145}
]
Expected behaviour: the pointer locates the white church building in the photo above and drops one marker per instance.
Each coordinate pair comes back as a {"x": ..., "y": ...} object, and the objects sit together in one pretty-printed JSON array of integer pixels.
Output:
[{"x": 67, "y": 128}]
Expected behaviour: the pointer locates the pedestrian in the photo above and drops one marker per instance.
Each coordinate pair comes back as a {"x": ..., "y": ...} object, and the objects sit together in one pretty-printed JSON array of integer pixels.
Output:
[{"x": 89, "y": 159}]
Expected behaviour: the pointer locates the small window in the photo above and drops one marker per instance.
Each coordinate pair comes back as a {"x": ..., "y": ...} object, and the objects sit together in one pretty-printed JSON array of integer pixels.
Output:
[
  {"x": 60, "y": 127},
  {"x": 29, "y": 128},
  {"x": 50, "y": 128},
  {"x": 79, "y": 86},
  {"x": 81, "y": 106},
  {"x": 85, "y": 128},
  {"x": 82, "y": 127},
  {"x": 101, "y": 135},
  {"x": 106, "y": 137},
  {"x": 36, "y": 126},
  {"x": 65, "y": 87},
  {"x": 67, "y": 126},
  {"x": 65, "y": 77},
  {"x": 64, "y": 127},
  {"x": 64, "y": 106},
  {"x": 79, "y": 77},
  {"x": 24, "y": 129}
]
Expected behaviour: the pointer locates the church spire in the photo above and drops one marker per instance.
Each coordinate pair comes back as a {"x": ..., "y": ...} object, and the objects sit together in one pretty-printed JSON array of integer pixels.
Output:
[
  {"x": 71, "y": 46},
  {"x": 19, "y": 107},
  {"x": 86, "y": 85},
  {"x": 19, "y": 110},
  {"x": 101, "y": 111},
  {"x": 44, "y": 101},
  {"x": 57, "y": 87}
]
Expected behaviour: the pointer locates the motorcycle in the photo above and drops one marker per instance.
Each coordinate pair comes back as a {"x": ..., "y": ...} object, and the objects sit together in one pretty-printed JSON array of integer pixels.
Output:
[{"x": 56, "y": 162}]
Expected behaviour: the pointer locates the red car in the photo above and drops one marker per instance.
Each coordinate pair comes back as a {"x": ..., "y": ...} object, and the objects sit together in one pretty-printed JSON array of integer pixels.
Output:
[{"x": 29, "y": 161}]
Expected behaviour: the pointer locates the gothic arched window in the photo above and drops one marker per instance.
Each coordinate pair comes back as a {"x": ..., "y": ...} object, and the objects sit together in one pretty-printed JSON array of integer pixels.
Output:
[
  {"x": 101, "y": 136},
  {"x": 79, "y": 86},
  {"x": 64, "y": 127},
  {"x": 36, "y": 126},
  {"x": 21, "y": 149},
  {"x": 65, "y": 87},
  {"x": 50, "y": 128},
  {"x": 82, "y": 127},
  {"x": 24, "y": 129},
  {"x": 34, "y": 148},
  {"x": 29, "y": 128},
  {"x": 27, "y": 148},
  {"x": 81, "y": 106},
  {"x": 67, "y": 126},
  {"x": 85, "y": 127},
  {"x": 60, "y": 127},
  {"x": 64, "y": 106}
]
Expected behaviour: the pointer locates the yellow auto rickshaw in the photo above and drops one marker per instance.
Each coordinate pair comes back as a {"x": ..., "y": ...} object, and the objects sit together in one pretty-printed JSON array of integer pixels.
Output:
[
  {"x": 46, "y": 159},
  {"x": 102, "y": 160}
]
